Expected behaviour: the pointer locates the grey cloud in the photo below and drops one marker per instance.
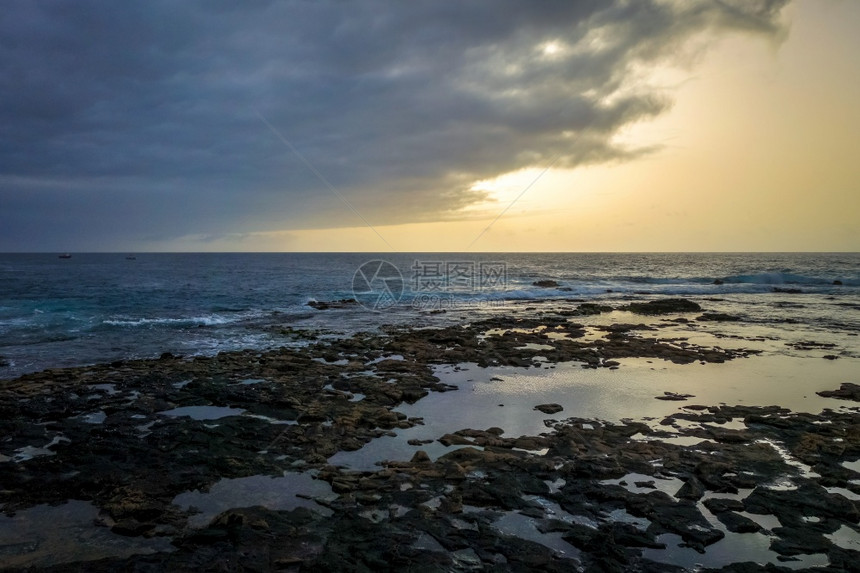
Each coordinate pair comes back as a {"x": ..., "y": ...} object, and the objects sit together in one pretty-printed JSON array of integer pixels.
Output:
[{"x": 138, "y": 120}]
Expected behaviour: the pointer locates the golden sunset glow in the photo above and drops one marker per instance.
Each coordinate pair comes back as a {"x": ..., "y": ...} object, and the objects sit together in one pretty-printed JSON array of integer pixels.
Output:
[
  {"x": 689, "y": 126},
  {"x": 756, "y": 154}
]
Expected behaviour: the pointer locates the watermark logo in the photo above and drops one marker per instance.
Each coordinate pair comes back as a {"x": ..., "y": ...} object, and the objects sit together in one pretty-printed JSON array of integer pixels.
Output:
[
  {"x": 377, "y": 285},
  {"x": 435, "y": 284},
  {"x": 457, "y": 276}
]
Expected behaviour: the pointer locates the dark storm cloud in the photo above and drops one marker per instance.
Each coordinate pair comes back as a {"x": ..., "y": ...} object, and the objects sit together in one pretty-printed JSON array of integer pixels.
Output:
[{"x": 138, "y": 121}]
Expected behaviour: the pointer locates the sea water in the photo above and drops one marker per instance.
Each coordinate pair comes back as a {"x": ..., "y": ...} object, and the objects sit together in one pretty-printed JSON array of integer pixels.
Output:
[{"x": 101, "y": 307}]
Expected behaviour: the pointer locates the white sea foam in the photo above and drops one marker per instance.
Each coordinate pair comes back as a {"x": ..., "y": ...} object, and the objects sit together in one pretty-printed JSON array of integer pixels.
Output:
[{"x": 209, "y": 320}]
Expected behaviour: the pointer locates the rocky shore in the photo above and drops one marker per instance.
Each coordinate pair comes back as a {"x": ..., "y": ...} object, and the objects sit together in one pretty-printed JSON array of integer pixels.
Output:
[{"x": 133, "y": 440}]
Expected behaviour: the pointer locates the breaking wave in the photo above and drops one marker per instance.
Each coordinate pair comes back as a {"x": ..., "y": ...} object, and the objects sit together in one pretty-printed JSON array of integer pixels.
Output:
[{"x": 210, "y": 320}]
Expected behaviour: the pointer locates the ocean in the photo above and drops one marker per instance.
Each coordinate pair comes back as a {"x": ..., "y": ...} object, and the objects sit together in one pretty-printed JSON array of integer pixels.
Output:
[{"x": 102, "y": 307}]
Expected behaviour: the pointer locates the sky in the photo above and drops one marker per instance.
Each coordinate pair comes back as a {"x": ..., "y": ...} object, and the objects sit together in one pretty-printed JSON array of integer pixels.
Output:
[{"x": 430, "y": 125}]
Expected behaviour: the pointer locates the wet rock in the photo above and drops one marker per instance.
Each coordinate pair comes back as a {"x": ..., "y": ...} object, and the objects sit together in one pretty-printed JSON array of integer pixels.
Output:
[
  {"x": 811, "y": 345},
  {"x": 799, "y": 541},
  {"x": 846, "y": 391},
  {"x": 787, "y": 290},
  {"x": 587, "y": 309},
  {"x": 738, "y": 523},
  {"x": 717, "y": 505},
  {"x": 327, "y": 305},
  {"x": 454, "y": 440},
  {"x": 808, "y": 499},
  {"x": 686, "y": 521},
  {"x": 628, "y": 535},
  {"x": 207, "y": 536},
  {"x": 545, "y": 283},
  {"x": 718, "y": 317},
  {"x": 663, "y": 306},
  {"x": 674, "y": 396},
  {"x": 131, "y": 527},
  {"x": 549, "y": 408},
  {"x": 692, "y": 489}
]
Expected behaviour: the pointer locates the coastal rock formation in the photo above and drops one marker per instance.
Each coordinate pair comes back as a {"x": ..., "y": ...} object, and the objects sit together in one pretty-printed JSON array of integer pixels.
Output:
[
  {"x": 787, "y": 290},
  {"x": 327, "y": 305},
  {"x": 718, "y": 317},
  {"x": 674, "y": 396},
  {"x": 135, "y": 437},
  {"x": 846, "y": 391},
  {"x": 663, "y": 306},
  {"x": 549, "y": 408}
]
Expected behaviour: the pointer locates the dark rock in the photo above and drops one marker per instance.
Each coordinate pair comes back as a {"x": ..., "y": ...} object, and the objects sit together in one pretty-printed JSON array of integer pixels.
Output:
[
  {"x": 799, "y": 541},
  {"x": 717, "y": 505},
  {"x": 545, "y": 283},
  {"x": 674, "y": 396},
  {"x": 738, "y": 523},
  {"x": 326, "y": 305},
  {"x": 808, "y": 499},
  {"x": 663, "y": 306},
  {"x": 629, "y": 535},
  {"x": 718, "y": 281},
  {"x": 549, "y": 408},
  {"x": 811, "y": 345},
  {"x": 587, "y": 309},
  {"x": 692, "y": 489},
  {"x": 718, "y": 317},
  {"x": 837, "y": 282},
  {"x": 681, "y": 518},
  {"x": 830, "y": 357},
  {"x": 787, "y": 290},
  {"x": 847, "y": 391},
  {"x": 131, "y": 527},
  {"x": 454, "y": 440},
  {"x": 208, "y": 536}
]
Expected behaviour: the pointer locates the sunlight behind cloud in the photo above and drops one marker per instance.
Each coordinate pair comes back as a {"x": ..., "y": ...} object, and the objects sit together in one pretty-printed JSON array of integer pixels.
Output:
[{"x": 553, "y": 48}]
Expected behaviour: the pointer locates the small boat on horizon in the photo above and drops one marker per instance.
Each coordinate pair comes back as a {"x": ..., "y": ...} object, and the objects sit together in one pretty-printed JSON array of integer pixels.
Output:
[
  {"x": 65, "y": 256},
  {"x": 131, "y": 258}
]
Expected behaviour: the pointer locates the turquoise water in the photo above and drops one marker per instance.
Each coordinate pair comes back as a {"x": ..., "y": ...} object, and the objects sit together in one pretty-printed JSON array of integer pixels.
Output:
[{"x": 103, "y": 307}]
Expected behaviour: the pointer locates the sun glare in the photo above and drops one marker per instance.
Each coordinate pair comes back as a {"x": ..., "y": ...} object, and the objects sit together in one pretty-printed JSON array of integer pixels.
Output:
[{"x": 551, "y": 49}]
